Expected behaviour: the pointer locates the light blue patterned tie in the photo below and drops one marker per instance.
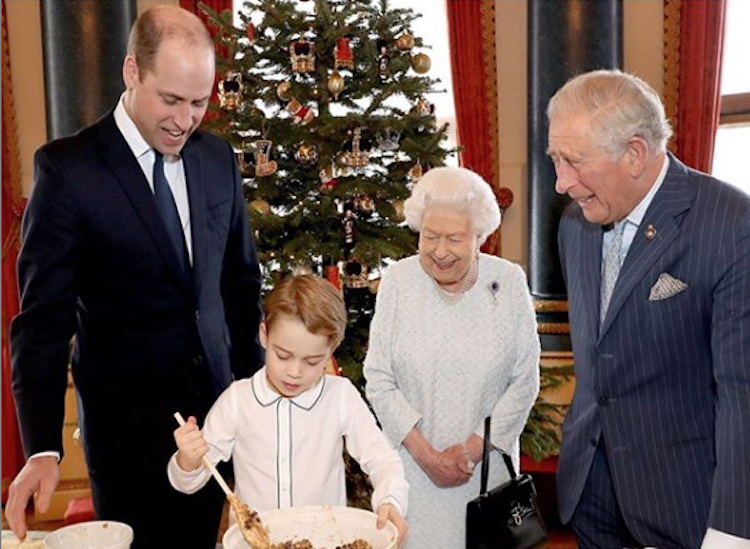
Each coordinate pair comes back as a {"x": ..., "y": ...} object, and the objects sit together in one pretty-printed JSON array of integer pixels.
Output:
[
  {"x": 611, "y": 268},
  {"x": 168, "y": 209}
]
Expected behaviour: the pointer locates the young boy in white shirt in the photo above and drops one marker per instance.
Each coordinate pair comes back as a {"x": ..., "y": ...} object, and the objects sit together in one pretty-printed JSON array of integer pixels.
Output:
[{"x": 284, "y": 427}]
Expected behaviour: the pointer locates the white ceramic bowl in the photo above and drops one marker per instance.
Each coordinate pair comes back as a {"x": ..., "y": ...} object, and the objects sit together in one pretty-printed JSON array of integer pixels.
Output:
[
  {"x": 97, "y": 534},
  {"x": 324, "y": 525}
]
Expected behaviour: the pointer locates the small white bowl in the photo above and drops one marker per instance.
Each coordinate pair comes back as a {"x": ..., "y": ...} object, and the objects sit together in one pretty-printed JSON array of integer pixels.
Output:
[
  {"x": 323, "y": 525},
  {"x": 97, "y": 534}
]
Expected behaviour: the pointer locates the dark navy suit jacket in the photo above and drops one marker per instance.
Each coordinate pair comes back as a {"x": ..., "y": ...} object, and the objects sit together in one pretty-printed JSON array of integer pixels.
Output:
[
  {"x": 666, "y": 383},
  {"x": 150, "y": 340}
]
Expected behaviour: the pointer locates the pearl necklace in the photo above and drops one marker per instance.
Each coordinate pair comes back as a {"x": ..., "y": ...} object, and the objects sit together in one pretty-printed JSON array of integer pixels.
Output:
[{"x": 467, "y": 282}]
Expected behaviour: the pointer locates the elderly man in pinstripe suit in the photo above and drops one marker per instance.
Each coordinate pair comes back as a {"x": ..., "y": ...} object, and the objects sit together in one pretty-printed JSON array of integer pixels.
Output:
[{"x": 656, "y": 257}]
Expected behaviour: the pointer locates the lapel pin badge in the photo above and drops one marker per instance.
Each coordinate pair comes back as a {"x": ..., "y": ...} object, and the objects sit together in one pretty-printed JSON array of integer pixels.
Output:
[{"x": 650, "y": 232}]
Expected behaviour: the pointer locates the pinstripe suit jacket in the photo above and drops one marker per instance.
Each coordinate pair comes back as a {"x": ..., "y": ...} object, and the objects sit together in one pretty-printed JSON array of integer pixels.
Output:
[{"x": 665, "y": 383}]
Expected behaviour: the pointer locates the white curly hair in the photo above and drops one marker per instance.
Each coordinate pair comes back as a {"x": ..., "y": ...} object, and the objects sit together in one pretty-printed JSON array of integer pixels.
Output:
[{"x": 459, "y": 189}]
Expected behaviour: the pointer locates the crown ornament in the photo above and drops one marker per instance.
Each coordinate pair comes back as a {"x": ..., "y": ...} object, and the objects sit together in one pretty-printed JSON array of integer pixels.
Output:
[{"x": 302, "y": 53}]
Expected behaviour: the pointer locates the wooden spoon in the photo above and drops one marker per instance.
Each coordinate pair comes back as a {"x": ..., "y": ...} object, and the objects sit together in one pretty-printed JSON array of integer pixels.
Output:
[{"x": 248, "y": 521}]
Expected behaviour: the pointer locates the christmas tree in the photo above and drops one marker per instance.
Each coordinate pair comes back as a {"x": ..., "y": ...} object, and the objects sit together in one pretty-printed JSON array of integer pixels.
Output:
[{"x": 326, "y": 104}]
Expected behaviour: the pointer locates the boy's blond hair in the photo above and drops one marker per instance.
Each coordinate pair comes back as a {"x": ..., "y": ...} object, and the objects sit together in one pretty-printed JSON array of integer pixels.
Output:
[{"x": 311, "y": 300}]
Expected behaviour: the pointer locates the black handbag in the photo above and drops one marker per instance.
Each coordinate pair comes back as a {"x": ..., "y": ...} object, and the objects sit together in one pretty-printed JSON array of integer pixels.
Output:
[{"x": 506, "y": 517}]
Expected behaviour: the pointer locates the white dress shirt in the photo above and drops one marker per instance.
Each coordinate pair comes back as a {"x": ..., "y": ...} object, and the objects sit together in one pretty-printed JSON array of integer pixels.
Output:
[
  {"x": 174, "y": 170},
  {"x": 289, "y": 451}
]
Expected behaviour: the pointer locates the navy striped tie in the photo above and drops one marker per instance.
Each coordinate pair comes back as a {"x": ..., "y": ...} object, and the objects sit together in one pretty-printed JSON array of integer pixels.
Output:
[{"x": 168, "y": 209}]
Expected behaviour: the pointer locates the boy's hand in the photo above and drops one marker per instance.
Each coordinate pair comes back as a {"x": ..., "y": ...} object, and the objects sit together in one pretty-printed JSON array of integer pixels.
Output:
[
  {"x": 387, "y": 511},
  {"x": 190, "y": 444}
]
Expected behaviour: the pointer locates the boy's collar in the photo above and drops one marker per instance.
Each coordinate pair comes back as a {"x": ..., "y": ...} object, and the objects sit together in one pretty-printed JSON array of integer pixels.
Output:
[{"x": 266, "y": 395}]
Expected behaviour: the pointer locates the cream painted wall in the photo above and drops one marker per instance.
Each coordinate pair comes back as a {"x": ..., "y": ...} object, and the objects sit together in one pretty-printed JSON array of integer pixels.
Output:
[
  {"x": 643, "y": 46},
  {"x": 25, "y": 44},
  {"x": 643, "y": 55}
]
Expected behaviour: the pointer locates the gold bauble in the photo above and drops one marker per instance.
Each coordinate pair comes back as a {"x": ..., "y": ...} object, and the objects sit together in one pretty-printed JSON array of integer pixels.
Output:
[
  {"x": 398, "y": 207},
  {"x": 421, "y": 63},
  {"x": 261, "y": 206},
  {"x": 306, "y": 154},
  {"x": 405, "y": 42},
  {"x": 284, "y": 91},
  {"x": 335, "y": 84}
]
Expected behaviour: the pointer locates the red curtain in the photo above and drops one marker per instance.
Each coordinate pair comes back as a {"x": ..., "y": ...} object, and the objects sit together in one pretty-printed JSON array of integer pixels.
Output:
[
  {"x": 693, "y": 43},
  {"x": 12, "y": 209},
  {"x": 471, "y": 34},
  {"x": 218, "y": 6}
]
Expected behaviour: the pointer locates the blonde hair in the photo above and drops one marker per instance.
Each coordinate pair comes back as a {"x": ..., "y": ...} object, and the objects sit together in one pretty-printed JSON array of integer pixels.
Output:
[
  {"x": 159, "y": 23},
  {"x": 311, "y": 300},
  {"x": 459, "y": 189},
  {"x": 620, "y": 106}
]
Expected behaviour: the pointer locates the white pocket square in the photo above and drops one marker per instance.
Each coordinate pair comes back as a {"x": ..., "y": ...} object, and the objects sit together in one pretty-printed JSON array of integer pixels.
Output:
[{"x": 666, "y": 286}]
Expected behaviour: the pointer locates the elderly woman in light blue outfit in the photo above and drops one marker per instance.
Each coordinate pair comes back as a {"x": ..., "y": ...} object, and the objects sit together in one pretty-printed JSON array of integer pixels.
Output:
[{"x": 453, "y": 340}]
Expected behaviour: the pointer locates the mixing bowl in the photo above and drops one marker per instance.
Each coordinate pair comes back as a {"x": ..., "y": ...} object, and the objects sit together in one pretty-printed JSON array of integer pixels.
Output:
[{"x": 325, "y": 526}]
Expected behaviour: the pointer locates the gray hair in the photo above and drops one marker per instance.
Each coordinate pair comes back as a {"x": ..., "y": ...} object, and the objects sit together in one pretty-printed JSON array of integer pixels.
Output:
[
  {"x": 620, "y": 105},
  {"x": 457, "y": 188}
]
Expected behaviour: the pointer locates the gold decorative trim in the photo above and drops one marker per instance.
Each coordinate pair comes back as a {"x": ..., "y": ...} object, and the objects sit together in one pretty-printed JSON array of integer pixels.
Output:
[
  {"x": 73, "y": 484},
  {"x": 553, "y": 328},
  {"x": 489, "y": 56},
  {"x": 672, "y": 67},
  {"x": 558, "y": 355},
  {"x": 550, "y": 306},
  {"x": 487, "y": 15}
]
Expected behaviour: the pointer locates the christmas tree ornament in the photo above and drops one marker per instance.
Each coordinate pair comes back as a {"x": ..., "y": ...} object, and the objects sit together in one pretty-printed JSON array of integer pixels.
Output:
[
  {"x": 415, "y": 172},
  {"x": 356, "y": 275},
  {"x": 284, "y": 91},
  {"x": 364, "y": 203},
  {"x": 356, "y": 151},
  {"x": 350, "y": 217},
  {"x": 261, "y": 206},
  {"x": 328, "y": 177},
  {"x": 306, "y": 154},
  {"x": 333, "y": 275},
  {"x": 303, "y": 56},
  {"x": 388, "y": 139},
  {"x": 251, "y": 33},
  {"x": 335, "y": 84},
  {"x": 384, "y": 60},
  {"x": 405, "y": 41},
  {"x": 424, "y": 107},
  {"x": 301, "y": 115},
  {"x": 398, "y": 208},
  {"x": 264, "y": 166},
  {"x": 504, "y": 197},
  {"x": 244, "y": 161},
  {"x": 230, "y": 91},
  {"x": 421, "y": 63},
  {"x": 342, "y": 54}
]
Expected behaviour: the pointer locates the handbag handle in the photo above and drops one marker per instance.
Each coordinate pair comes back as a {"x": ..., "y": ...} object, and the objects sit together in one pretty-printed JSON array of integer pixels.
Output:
[{"x": 486, "y": 459}]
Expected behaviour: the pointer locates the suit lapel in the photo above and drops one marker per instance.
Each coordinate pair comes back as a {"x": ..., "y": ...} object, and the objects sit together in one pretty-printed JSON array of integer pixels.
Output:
[
  {"x": 129, "y": 175},
  {"x": 673, "y": 198},
  {"x": 197, "y": 198},
  {"x": 591, "y": 267}
]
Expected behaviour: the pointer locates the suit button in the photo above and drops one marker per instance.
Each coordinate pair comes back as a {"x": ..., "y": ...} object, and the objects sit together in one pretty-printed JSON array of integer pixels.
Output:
[
  {"x": 603, "y": 401},
  {"x": 197, "y": 316},
  {"x": 593, "y": 442},
  {"x": 197, "y": 361}
]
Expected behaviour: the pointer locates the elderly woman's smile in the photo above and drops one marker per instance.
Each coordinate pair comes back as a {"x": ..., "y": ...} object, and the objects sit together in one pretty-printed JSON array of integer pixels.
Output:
[{"x": 448, "y": 245}]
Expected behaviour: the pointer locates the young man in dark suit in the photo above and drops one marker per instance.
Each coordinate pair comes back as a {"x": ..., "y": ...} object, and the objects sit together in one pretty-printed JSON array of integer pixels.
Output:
[
  {"x": 656, "y": 258},
  {"x": 136, "y": 241}
]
